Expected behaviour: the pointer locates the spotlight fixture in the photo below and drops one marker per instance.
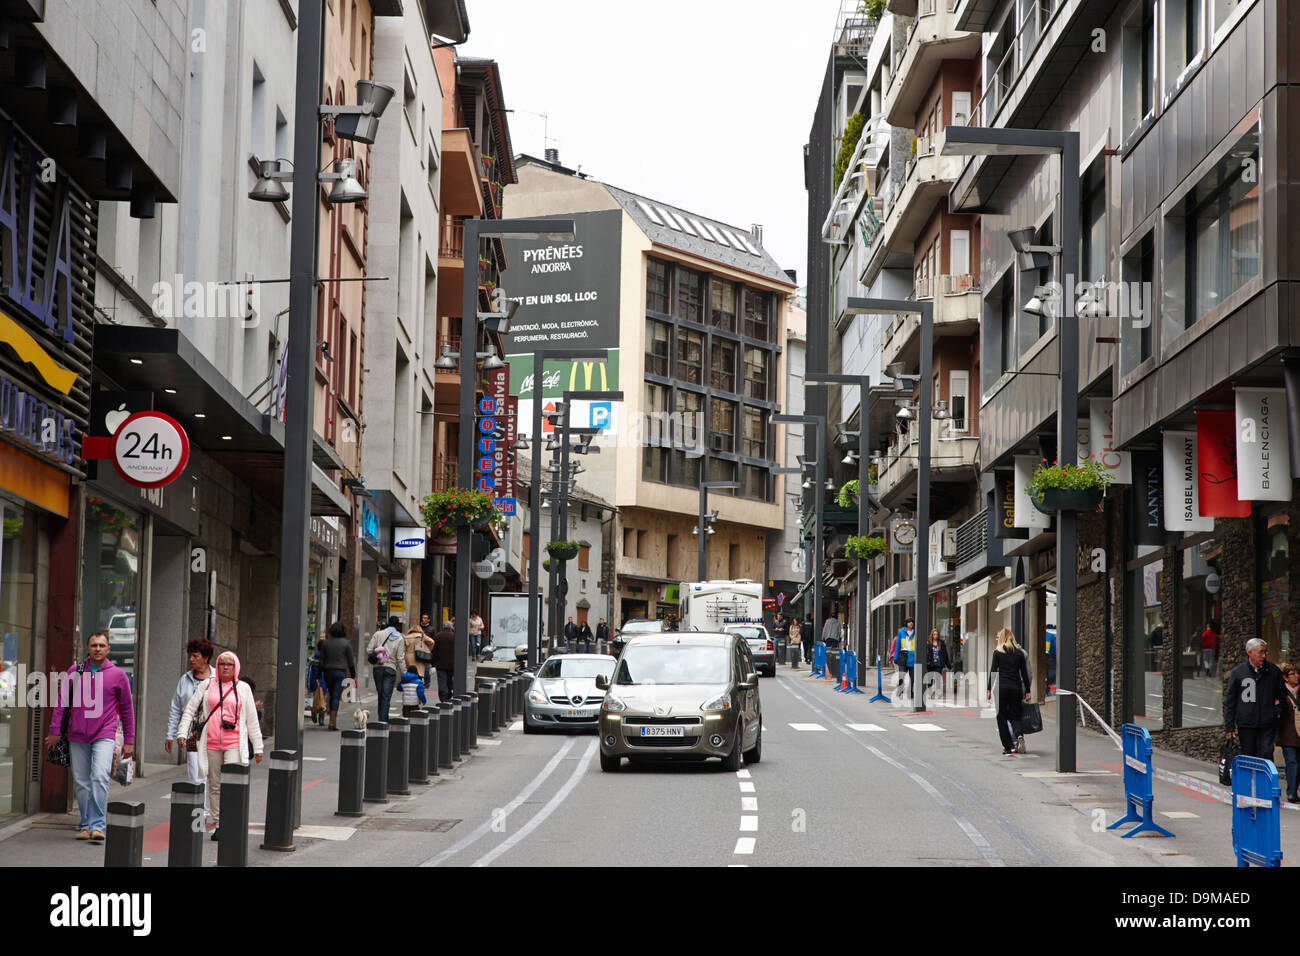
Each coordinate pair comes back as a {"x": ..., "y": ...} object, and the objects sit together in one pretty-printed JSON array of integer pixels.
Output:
[
  {"x": 940, "y": 410},
  {"x": 492, "y": 360},
  {"x": 270, "y": 181},
  {"x": 906, "y": 414},
  {"x": 850, "y": 458},
  {"x": 345, "y": 188},
  {"x": 325, "y": 350},
  {"x": 447, "y": 360}
]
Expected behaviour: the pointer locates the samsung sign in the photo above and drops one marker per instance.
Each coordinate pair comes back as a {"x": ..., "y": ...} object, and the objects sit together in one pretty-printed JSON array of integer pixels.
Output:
[{"x": 408, "y": 543}]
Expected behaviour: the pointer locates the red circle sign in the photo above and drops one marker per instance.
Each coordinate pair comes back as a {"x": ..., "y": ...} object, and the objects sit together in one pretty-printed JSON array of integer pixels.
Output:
[{"x": 150, "y": 449}]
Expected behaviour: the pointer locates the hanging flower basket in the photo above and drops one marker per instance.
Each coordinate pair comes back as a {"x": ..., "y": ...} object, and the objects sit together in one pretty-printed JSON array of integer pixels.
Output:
[
  {"x": 445, "y": 512},
  {"x": 562, "y": 550},
  {"x": 1055, "y": 488},
  {"x": 864, "y": 548}
]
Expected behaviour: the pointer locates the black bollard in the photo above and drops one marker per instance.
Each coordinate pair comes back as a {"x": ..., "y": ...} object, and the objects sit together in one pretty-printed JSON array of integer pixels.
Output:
[
  {"x": 418, "y": 771},
  {"x": 499, "y": 706},
  {"x": 486, "y": 693},
  {"x": 352, "y": 771},
  {"x": 185, "y": 835},
  {"x": 512, "y": 695},
  {"x": 521, "y": 688},
  {"x": 466, "y": 728},
  {"x": 457, "y": 718},
  {"x": 473, "y": 720},
  {"x": 232, "y": 841},
  {"x": 376, "y": 762},
  {"x": 433, "y": 737},
  {"x": 447, "y": 750},
  {"x": 124, "y": 838},
  {"x": 278, "y": 834},
  {"x": 399, "y": 755}
]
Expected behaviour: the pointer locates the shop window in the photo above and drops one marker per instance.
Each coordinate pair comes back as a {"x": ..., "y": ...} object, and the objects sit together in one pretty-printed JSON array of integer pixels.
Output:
[
  {"x": 1201, "y": 613},
  {"x": 17, "y": 620},
  {"x": 1274, "y": 589},
  {"x": 111, "y": 580},
  {"x": 1144, "y": 684}
]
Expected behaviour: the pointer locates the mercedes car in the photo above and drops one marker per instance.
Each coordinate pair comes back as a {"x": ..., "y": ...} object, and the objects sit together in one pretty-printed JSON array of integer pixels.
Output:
[
  {"x": 682, "y": 696},
  {"x": 564, "y": 694}
]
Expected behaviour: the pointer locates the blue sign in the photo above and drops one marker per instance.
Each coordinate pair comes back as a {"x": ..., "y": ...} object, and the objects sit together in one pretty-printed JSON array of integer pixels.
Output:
[
  {"x": 369, "y": 526},
  {"x": 506, "y": 506},
  {"x": 602, "y": 414}
]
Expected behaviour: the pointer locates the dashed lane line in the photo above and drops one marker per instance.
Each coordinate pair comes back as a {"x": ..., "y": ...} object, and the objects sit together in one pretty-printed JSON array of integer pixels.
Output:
[
  {"x": 745, "y": 846},
  {"x": 746, "y": 787},
  {"x": 749, "y": 803},
  {"x": 923, "y": 727},
  {"x": 808, "y": 727}
]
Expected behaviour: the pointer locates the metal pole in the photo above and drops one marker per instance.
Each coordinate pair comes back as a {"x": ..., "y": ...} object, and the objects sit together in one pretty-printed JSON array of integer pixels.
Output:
[
  {"x": 921, "y": 546},
  {"x": 1067, "y": 420},
  {"x": 819, "y": 543},
  {"x": 864, "y": 522},
  {"x": 553, "y": 617},
  {"x": 701, "y": 572},
  {"x": 465, "y": 450},
  {"x": 562, "y": 572},
  {"x": 535, "y": 511},
  {"x": 300, "y": 385}
]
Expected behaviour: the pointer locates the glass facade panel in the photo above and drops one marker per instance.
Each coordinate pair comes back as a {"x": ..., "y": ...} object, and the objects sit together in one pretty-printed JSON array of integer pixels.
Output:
[
  {"x": 17, "y": 618},
  {"x": 1146, "y": 636},
  {"x": 111, "y": 580},
  {"x": 690, "y": 296},
  {"x": 722, "y": 425},
  {"x": 722, "y": 372},
  {"x": 722, "y": 312},
  {"x": 690, "y": 356},
  {"x": 1201, "y": 611},
  {"x": 656, "y": 285},
  {"x": 656, "y": 347},
  {"x": 758, "y": 315},
  {"x": 1274, "y": 589},
  {"x": 756, "y": 377}
]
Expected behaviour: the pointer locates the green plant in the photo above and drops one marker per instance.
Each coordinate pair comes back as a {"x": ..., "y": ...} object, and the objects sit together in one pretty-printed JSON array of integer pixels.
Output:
[
  {"x": 562, "y": 547},
  {"x": 848, "y": 493},
  {"x": 859, "y": 546},
  {"x": 1090, "y": 476},
  {"x": 852, "y": 133},
  {"x": 873, "y": 10},
  {"x": 445, "y": 511},
  {"x": 913, "y": 145}
]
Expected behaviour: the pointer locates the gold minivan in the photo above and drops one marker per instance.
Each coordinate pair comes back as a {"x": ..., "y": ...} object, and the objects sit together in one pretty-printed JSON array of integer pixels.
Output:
[{"x": 682, "y": 696}]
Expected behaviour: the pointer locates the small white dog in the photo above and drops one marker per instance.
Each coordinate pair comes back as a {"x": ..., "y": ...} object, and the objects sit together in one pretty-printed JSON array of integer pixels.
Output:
[{"x": 359, "y": 718}]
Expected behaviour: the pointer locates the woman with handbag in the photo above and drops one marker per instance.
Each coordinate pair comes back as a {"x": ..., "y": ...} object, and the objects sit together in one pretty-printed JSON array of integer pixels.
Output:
[
  {"x": 419, "y": 653},
  {"x": 1013, "y": 689},
  {"x": 386, "y": 654},
  {"x": 221, "y": 717},
  {"x": 1288, "y": 731},
  {"x": 200, "y": 651},
  {"x": 936, "y": 662}
]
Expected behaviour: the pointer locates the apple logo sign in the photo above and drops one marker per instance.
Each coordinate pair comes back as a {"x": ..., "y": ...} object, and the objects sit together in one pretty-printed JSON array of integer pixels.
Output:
[{"x": 114, "y": 419}]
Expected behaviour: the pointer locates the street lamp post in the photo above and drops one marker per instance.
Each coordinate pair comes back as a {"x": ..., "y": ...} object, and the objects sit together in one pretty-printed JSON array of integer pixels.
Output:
[
  {"x": 821, "y": 380},
  {"x": 978, "y": 140},
  {"x": 701, "y": 568},
  {"x": 818, "y": 422},
  {"x": 540, "y": 357},
  {"x": 476, "y": 229},
  {"x": 921, "y": 550}
]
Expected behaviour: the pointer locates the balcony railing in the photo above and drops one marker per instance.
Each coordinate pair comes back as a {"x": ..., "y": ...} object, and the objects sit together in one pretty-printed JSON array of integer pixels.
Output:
[
  {"x": 451, "y": 243},
  {"x": 446, "y": 474},
  {"x": 957, "y": 285},
  {"x": 923, "y": 287},
  {"x": 972, "y": 538},
  {"x": 1007, "y": 73}
]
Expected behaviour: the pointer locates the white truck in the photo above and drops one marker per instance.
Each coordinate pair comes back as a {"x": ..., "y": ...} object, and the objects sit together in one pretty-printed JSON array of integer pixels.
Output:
[{"x": 730, "y": 606}]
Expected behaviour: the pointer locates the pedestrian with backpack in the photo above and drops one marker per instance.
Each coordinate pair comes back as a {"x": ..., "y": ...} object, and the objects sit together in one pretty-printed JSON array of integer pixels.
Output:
[
  {"x": 386, "y": 654},
  {"x": 1012, "y": 673}
]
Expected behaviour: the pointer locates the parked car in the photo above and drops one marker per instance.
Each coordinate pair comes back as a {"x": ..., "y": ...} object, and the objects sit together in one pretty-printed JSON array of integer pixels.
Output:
[
  {"x": 684, "y": 696},
  {"x": 761, "y": 644},
  {"x": 564, "y": 692},
  {"x": 121, "y": 638}
]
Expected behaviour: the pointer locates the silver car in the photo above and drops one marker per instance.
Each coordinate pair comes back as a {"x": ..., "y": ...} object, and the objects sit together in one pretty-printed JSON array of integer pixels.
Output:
[
  {"x": 682, "y": 696},
  {"x": 761, "y": 645},
  {"x": 564, "y": 692}
]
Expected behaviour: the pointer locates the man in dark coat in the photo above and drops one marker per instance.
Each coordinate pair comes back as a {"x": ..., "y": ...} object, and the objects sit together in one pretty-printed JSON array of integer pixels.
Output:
[
  {"x": 444, "y": 659},
  {"x": 570, "y": 632},
  {"x": 1252, "y": 701},
  {"x": 585, "y": 637},
  {"x": 603, "y": 633}
]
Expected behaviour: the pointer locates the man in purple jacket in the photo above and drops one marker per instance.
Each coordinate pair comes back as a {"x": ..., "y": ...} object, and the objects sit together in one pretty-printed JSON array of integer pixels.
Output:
[{"x": 96, "y": 699}]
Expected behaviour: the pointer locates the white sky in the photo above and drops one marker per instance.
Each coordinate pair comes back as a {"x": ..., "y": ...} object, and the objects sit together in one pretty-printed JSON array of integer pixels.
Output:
[{"x": 705, "y": 104}]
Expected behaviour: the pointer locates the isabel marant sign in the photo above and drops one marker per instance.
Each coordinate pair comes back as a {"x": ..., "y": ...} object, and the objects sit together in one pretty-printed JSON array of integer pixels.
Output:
[
  {"x": 1182, "y": 504},
  {"x": 1263, "y": 446}
]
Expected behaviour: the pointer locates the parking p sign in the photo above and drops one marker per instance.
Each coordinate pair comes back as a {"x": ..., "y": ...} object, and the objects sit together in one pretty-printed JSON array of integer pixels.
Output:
[{"x": 602, "y": 414}]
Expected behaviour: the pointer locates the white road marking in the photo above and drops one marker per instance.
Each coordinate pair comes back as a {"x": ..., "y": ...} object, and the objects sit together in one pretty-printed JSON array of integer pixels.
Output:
[
  {"x": 486, "y": 826},
  {"x": 749, "y": 824},
  {"x": 488, "y": 743},
  {"x": 745, "y": 845},
  {"x": 729, "y": 865},
  {"x": 867, "y": 728},
  {"x": 517, "y": 725},
  {"x": 538, "y": 818},
  {"x": 923, "y": 727},
  {"x": 742, "y": 774},
  {"x": 1180, "y": 815},
  {"x": 325, "y": 833},
  {"x": 746, "y": 787},
  {"x": 749, "y": 803},
  {"x": 813, "y": 727},
  {"x": 314, "y": 758}
]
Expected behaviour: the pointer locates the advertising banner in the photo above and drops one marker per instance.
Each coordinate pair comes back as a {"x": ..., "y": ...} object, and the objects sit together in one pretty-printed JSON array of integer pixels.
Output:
[
  {"x": 1182, "y": 508},
  {"x": 1148, "y": 501},
  {"x": 1216, "y": 462},
  {"x": 1026, "y": 515},
  {"x": 1004, "y": 522},
  {"x": 1101, "y": 420},
  {"x": 1263, "y": 445},
  {"x": 508, "y": 618}
]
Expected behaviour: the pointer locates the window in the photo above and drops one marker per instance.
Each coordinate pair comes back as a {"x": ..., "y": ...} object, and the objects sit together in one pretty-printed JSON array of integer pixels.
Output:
[
  {"x": 722, "y": 313},
  {"x": 656, "y": 286},
  {"x": 584, "y": 558},
  {"x": 408, "y": 99},
  {"x": 755, "y": 433},
  {"x": 1212, "y": 240},
  {"x": 1092, "y": 221},
  {"x": 999, "y": 336},
  {"x": 353, "y": 358},
  {"x": 958, "y": 399},
  {"x": 655, "y": 431},
  {"x": 364, "y": 48},
  {"x": 1137, "y": 304},
  {"x": 656, "y": 347},
  {"x": 352, "y": 37},
  {"x": 1182, "y": 38},
  {"x": 1200, "y": 610},
  {"x": 722, "y": 369},
  {"x": 756, "y": 377},
  {"x": 722, "y": 425},
  {"x": 690, "y": 356},
  {"x": 721, "y": 470},
  {"x": 689, "y": 411},
  {"x": 758, "y": 314},
  {"x": 686, "y": 469},
  {"x": 959, "y": 259},
  {"x": 1034, "y": 326},
  {"x": 753, "y": 483},
  {"x": 671, "y": 564},
  {"x": 257, "y": 115},
  {"x": 1144, "y": 688},
  {"x": 1139, "y": 65},
  {"x": 654, "y": 464},
  {"x": 1225, "y": 12},
  {"x": 282, "y": 147},
  {"x": 690, "y": 296},
  {"x": 629, "y": 542}
]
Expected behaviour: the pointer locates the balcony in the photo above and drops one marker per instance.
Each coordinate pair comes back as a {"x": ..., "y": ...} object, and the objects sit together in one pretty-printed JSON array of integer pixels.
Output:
[
  {"x": 956, "y": 313},
  {"x": 446, "y": 474},
  {"x": 928, "y": 178},
  {"x": 853, "y": 32},
  {"x": 973, "y": 546},
  {"x": 932, "y": 38},
  {"x": 462, "y": 174},
  {"x": 951, "y": 459}
]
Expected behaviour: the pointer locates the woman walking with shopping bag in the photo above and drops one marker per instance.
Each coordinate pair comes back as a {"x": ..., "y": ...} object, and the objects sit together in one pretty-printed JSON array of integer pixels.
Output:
[{"x": 1013, "y": 689}]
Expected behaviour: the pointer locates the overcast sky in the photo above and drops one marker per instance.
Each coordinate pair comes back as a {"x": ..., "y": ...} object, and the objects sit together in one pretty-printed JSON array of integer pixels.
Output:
[{"x": 705, "y": 104}]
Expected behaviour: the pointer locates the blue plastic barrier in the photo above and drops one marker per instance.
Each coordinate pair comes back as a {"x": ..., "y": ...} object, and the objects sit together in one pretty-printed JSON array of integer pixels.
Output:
[
  {"x": 880, "y": 689},
  {"x": 848, "y": 674},
  {"x": 818, "y": 661},
  {"x": 1256, "y": 812},
  {"x": 1138, "y": 782}
]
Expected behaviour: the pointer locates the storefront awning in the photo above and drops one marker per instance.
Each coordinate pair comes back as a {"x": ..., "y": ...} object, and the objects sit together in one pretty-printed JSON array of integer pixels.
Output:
[
  {"x": 900, "y": 593},
  {"x": 1012, "y": 597},
  {"x": 800, "y": 593},
  {"x": 938, "y": 581},
  {"x": 974, "y": 592}
]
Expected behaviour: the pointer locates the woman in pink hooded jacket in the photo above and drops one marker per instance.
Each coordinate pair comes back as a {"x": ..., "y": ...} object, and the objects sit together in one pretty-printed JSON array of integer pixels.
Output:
[{"x": 224, "y": 717}]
